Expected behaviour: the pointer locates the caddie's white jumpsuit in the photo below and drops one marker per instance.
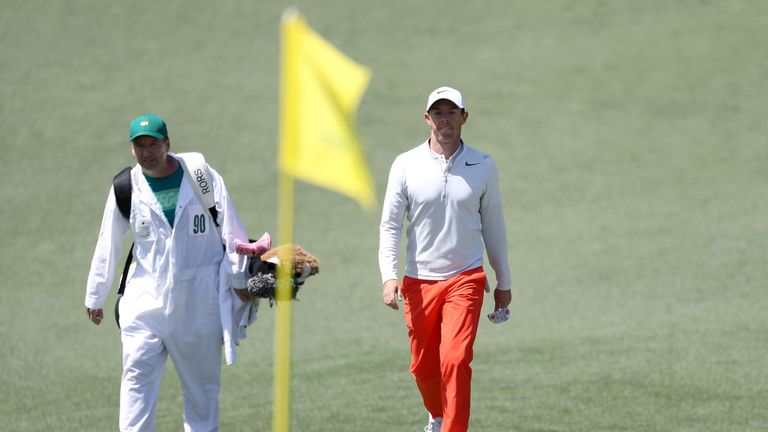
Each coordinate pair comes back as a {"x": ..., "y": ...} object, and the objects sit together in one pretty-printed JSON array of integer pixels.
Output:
[{"x": 171, "y": 300}]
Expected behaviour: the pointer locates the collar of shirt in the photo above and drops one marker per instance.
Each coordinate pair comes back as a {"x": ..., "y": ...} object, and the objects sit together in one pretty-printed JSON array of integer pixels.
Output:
[{"x": 441, "y": 158}]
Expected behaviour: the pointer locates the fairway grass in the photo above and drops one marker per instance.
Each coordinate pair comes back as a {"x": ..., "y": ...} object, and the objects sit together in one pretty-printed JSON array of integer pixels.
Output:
[{"x": 631, "y": 142}]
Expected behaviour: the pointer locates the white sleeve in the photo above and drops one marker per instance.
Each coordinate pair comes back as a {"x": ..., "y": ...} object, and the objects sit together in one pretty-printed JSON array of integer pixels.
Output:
[
  {"x": 494, "y": 230},
  {"x": 231, "y": 231},
  {"x": 109, "y": 247},
  {"x": 392, "y": 214}
]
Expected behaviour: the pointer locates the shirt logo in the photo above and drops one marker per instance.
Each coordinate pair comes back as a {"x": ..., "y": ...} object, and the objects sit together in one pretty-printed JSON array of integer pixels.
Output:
[{"x": 471, "y": 164}]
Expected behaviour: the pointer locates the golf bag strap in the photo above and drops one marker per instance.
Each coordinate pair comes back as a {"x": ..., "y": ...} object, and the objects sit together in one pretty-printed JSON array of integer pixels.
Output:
[
  {"x": 121, "y": 288},
  {"x": 121, "y": 184},
  {"x": 199, "y": 174},
  {"x": 124, "y": 276}
]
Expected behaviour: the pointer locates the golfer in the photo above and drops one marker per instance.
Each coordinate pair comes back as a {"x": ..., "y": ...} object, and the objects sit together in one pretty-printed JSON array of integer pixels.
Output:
[
  {"x": 171, "y": 302},
  {"x": 449, "y": 194}
]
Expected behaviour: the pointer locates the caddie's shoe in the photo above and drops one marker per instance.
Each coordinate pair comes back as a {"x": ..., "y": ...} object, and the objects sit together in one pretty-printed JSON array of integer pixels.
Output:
[{"x": 434, "y": 425}]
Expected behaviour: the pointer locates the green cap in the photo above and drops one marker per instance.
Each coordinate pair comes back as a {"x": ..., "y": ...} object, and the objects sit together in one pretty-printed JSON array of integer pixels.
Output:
[{"x": 148, "y": 124}]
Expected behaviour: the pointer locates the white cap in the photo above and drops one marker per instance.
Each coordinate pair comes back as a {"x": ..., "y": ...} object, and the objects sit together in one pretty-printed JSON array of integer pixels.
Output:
[{"x": 448, "y": 93}]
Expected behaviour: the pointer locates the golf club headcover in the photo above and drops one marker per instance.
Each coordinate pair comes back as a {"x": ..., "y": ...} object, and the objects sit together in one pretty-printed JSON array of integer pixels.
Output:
[
  {"x": 262, "y": 270},
  {"x": 263, "y": 281},
  {"x": 254, "y": 248}
]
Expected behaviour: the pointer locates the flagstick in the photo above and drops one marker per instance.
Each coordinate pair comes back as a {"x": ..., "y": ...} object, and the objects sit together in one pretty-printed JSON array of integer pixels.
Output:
[
  {"x": 299, "y": 86},
  {"x": 281, "y": 416},
  {"x": 281, "y": 392}
]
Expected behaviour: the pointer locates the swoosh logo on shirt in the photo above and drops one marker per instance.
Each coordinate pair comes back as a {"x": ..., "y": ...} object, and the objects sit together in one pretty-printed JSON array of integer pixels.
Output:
[{"x": 471, "y": 164}]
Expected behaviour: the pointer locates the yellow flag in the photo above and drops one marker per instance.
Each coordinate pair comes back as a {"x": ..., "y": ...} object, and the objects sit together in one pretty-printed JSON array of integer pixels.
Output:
[{"x": 320, "y": 92}]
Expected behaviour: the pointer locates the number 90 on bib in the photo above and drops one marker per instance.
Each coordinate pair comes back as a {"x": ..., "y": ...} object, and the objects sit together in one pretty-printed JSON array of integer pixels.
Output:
[{"x": 198, "y": 224}]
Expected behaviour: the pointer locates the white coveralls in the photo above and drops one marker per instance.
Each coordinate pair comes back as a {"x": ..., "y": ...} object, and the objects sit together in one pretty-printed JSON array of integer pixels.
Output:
[{"x": 171, "y": 304}]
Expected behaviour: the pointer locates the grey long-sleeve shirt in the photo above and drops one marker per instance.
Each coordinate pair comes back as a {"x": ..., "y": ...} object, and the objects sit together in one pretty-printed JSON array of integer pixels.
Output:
[{"x": 452, "y": 207}]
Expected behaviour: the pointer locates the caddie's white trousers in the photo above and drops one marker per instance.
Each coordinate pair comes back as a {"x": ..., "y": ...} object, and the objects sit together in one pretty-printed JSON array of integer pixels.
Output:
[{"x": 147, "y": 342}]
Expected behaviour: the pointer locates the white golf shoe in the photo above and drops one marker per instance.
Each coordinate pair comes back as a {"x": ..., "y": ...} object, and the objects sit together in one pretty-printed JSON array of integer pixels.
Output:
[{"x": 434, "y": 425}]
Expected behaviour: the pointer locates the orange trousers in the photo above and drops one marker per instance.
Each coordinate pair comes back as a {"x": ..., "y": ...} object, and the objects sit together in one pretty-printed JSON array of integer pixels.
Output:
[{"x": 442, "y": 318}]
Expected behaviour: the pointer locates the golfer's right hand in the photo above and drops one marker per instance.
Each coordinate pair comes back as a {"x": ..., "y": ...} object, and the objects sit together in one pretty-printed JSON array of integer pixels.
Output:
[
  {"x": 95, "y": 315},
  {"x": 392, "y": 293}
]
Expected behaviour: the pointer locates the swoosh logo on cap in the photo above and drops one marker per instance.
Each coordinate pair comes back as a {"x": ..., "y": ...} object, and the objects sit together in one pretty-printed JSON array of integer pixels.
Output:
[{"x": 442, "y": 91}]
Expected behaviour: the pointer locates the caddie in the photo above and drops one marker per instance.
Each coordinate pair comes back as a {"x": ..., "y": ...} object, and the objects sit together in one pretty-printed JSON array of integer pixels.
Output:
[{"x": 180, "y": 277}]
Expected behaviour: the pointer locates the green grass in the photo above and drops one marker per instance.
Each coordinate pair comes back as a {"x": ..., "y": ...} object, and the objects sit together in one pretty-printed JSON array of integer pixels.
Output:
[{"x": 631, "y": 141}]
